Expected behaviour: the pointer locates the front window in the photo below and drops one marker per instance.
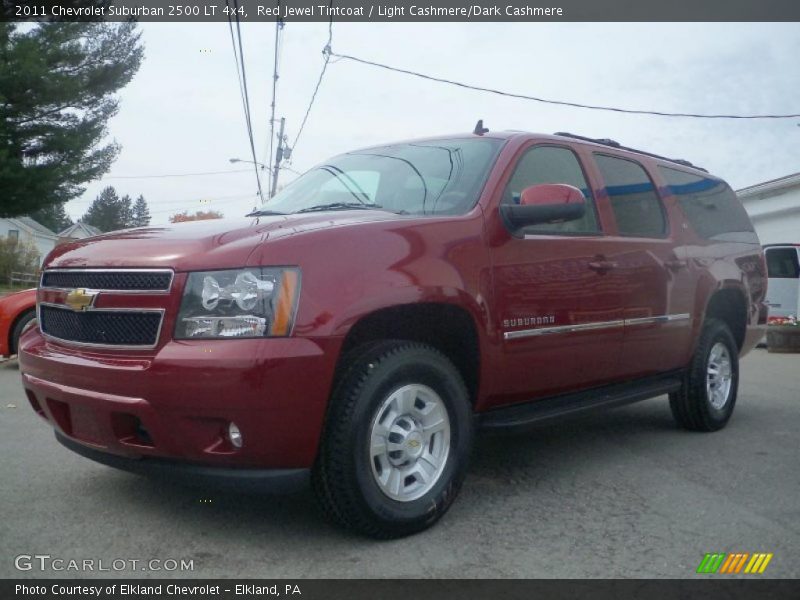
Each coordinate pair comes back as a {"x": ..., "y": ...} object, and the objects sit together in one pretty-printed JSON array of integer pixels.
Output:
[{"x": 420, "y": 178}]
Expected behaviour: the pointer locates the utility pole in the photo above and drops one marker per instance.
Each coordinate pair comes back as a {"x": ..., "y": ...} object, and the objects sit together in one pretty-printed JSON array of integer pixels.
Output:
[{"x": 278, "y": 159}]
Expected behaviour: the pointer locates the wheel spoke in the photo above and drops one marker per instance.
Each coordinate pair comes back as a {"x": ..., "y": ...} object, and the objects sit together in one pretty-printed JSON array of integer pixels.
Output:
[
  {"x": 395, "y": 481},
  {"x": 378, "y": 448}
]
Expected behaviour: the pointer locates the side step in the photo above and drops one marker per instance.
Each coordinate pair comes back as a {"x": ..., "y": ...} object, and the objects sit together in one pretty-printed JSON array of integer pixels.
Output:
[{"x": 521, "y": 416}]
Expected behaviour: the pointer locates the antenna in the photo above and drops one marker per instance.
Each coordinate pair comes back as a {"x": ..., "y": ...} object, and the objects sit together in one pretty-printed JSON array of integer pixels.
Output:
[{"x": 479, "y": 128}]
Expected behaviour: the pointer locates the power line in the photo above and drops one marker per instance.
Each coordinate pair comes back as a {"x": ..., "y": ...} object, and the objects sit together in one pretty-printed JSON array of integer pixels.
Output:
[
  {"x": 558, "y": 102},
  {"x": 326, "y": 52},
  {"x": 243, "y": 87},
  {"x": 199, "y": 204},
  {"x": 178, "y": 174}
]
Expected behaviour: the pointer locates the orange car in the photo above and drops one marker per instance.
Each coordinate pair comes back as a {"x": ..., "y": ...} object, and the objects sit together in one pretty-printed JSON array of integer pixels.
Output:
[{"x": 17, "y": 313}]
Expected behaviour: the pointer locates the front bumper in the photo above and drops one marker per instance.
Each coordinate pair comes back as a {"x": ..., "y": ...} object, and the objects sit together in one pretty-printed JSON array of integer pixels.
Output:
[
  {"x": 273, "y": 481},
  {"x": 176, "y": 404}
]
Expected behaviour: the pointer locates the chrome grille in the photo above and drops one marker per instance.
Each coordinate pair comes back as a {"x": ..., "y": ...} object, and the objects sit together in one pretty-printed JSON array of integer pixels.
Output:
[
  {"x": 122, "y": 280},
  {"x": 130, "y": 328}
]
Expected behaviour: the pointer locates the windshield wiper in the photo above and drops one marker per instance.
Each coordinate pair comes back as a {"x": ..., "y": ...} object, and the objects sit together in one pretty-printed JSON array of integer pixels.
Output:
[
  {"x": 264, "y": 213},
  {"x": 339, "y": 206}
]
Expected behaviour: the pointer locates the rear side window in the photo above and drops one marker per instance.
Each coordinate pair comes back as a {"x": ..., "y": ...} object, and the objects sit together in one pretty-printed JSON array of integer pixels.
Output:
[
  {"x": 782, "y": 263},
  {"x": 709, "y": 204},
  {"x": 633, "y": 197}
]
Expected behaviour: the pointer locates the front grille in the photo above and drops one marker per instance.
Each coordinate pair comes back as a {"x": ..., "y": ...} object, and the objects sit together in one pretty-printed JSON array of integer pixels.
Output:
[
  {"x": 103, "y": 327},
  {"x": 122, "y": 281}
]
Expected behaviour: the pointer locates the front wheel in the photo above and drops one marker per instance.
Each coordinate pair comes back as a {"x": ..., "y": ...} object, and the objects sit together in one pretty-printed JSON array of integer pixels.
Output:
[
  {"x": 706, "y": 400},
  {"x": 396, "y": 442}
]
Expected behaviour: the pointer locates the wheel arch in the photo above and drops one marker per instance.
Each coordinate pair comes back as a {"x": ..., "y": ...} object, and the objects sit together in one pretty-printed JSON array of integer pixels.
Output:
[
  {"x": 728, "y": 303},
  {"x": 448, "y": 327}
]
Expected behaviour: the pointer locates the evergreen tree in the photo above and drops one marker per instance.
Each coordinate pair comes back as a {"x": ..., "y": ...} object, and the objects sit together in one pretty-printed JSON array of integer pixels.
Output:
[
  {"x": 141, "y": 214},
  {"x": 54, "y": 217},
  {"x": 109, "y": 212},
  {"x": 57, "y": 91}
]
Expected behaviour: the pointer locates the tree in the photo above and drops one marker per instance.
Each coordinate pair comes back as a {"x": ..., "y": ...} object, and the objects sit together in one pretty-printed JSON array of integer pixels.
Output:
[
  {"x": 54, "y": 217},
  {"x": 200, "y": 215},
  {"x": 141, "y": 214},
  {"x": 57, "y": 86},
  {"x": 17, "y": 256},
  {"x": 109, "y": 212}
]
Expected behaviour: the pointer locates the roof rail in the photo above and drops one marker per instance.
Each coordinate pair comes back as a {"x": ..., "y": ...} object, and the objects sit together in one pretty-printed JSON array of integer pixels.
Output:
[{"x": 615, "y": 144}]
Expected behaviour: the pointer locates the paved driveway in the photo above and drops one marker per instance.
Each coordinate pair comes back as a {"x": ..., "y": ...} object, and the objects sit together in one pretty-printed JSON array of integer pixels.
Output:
[{"x": 620, "y": 494}]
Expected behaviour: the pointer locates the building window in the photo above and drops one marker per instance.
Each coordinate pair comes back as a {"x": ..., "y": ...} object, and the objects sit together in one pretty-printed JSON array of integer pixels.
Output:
[{"x": 13, "y": 235}]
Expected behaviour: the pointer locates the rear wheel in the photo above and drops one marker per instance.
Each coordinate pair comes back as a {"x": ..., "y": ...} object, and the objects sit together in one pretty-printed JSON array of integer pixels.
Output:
[
  {"x": 396, "y": 441},
  {"x": 708, "y": 396},
  {"x": 24, "y": 321}
]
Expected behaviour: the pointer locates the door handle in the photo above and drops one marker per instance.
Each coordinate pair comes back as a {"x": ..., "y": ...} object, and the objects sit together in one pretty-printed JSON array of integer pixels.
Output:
[
  {"x": 675, "y": 264},
  {"x": 602, "y": 266}
]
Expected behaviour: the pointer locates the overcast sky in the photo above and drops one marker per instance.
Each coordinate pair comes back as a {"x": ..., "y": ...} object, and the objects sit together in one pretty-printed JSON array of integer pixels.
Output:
[{"x": 182, "y": 112}]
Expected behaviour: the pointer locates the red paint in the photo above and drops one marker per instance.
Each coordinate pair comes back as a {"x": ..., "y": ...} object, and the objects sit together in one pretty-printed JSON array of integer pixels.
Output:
[
  {"x": 356, "y": 262},
  {"x": 12, "y": 307}
]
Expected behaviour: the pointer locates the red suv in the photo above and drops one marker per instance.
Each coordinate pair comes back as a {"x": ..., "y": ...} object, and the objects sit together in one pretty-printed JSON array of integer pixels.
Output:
[{"x": 388, "y": 303}]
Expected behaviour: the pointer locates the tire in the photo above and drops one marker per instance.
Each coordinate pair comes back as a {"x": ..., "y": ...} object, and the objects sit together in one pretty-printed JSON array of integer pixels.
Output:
[
  {"x": 394, "y": 491},
  {"x": 19, "y": 328},
  {"x": 705, "y": 402}
]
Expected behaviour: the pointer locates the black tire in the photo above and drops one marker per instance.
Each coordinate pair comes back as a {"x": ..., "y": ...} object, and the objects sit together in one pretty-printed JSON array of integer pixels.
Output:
[
  {"x": 343, "y": 476},
  {"x": 691, "y": 406},
  {"x": 19, "y": 327}
]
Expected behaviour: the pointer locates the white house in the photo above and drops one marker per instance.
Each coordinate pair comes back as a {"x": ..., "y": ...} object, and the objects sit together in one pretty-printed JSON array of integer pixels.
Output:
[
  {"x": 774, "y": 208},
  {"x": 28, "y": 231},
  {"x": 78, "y": 231}
]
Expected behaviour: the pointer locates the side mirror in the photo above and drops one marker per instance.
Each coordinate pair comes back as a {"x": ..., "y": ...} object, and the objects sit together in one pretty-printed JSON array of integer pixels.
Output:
[{"x": 545, "y": 203}]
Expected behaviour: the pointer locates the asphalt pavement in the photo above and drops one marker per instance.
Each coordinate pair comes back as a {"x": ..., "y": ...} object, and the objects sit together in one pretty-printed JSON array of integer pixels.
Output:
[{"x": 624, "y": 493}]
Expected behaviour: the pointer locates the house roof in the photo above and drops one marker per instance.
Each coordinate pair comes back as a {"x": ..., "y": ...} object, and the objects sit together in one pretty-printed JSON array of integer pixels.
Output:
[
  {"x": 32, "y": 226},
  {"x": 772, "y": 185},
  {"x": 89, "y": 229}
]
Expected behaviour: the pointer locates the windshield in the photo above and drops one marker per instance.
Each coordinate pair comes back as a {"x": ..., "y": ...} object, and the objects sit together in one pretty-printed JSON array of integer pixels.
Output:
[{"x": 421, "y": 178}]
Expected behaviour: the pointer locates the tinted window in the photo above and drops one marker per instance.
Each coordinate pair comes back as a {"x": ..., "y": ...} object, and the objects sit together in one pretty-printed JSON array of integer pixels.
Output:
[
  {"x": 552, "y": 164},
  {"x": 636, "y": 206},
  {"x": 782, "y": 263},
  {"x": 709, "y": 204}
]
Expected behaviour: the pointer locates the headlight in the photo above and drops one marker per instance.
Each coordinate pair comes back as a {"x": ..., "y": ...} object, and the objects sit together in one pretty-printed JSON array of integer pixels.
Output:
[{"x": 239, "y": 303}]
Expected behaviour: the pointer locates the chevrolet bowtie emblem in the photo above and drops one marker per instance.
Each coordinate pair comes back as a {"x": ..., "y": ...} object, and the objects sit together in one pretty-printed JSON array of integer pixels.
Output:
[{"x": 80, "y": 299}]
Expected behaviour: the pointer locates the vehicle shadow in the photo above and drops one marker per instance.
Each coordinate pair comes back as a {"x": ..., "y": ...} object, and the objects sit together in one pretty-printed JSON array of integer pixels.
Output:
[{"x": 523, "y": 459}]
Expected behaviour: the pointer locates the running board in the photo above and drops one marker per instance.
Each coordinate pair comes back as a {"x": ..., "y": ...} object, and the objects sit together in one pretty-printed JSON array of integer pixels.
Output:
[{"x": 520, "y": 416}]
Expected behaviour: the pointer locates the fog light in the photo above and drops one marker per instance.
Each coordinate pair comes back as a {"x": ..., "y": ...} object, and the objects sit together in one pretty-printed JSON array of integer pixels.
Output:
[{"x": 234, "y": 435}]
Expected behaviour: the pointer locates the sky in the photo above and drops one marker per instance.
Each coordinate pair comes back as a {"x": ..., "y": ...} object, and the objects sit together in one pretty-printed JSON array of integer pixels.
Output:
[{"x": 182, "y": 113}]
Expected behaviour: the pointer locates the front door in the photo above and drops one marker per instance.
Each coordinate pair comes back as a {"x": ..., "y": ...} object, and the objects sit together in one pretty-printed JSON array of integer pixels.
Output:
[{"x": 558, "y": 304}]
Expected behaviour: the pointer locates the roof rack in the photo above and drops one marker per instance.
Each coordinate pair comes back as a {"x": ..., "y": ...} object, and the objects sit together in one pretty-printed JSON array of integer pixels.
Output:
[{"x": 615, "y": 144}]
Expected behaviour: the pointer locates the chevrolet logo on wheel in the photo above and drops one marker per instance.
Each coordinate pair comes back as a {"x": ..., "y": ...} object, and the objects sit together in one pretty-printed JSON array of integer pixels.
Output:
[{"x": 80, "y": 299}]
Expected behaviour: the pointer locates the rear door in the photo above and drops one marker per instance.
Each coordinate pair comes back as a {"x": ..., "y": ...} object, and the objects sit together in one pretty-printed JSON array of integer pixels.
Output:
[
  {"x": 560, "y": 317},
  {"x": 783, "y": 287},
  {"x": 656, "y": 283}
]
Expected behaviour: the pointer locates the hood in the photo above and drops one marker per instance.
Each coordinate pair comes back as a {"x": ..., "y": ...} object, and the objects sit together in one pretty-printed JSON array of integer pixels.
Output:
[{"x": 211, "y": 244}]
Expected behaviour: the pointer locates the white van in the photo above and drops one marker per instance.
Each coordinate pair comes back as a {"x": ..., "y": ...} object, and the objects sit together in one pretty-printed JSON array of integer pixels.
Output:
[{"x": 783, "y": 288}]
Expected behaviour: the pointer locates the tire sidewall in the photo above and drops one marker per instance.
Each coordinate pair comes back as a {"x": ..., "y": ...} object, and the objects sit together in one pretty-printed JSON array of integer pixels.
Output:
[
  {"x": 19, "y": 328},
  {"x": 420, "y": 366}
]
